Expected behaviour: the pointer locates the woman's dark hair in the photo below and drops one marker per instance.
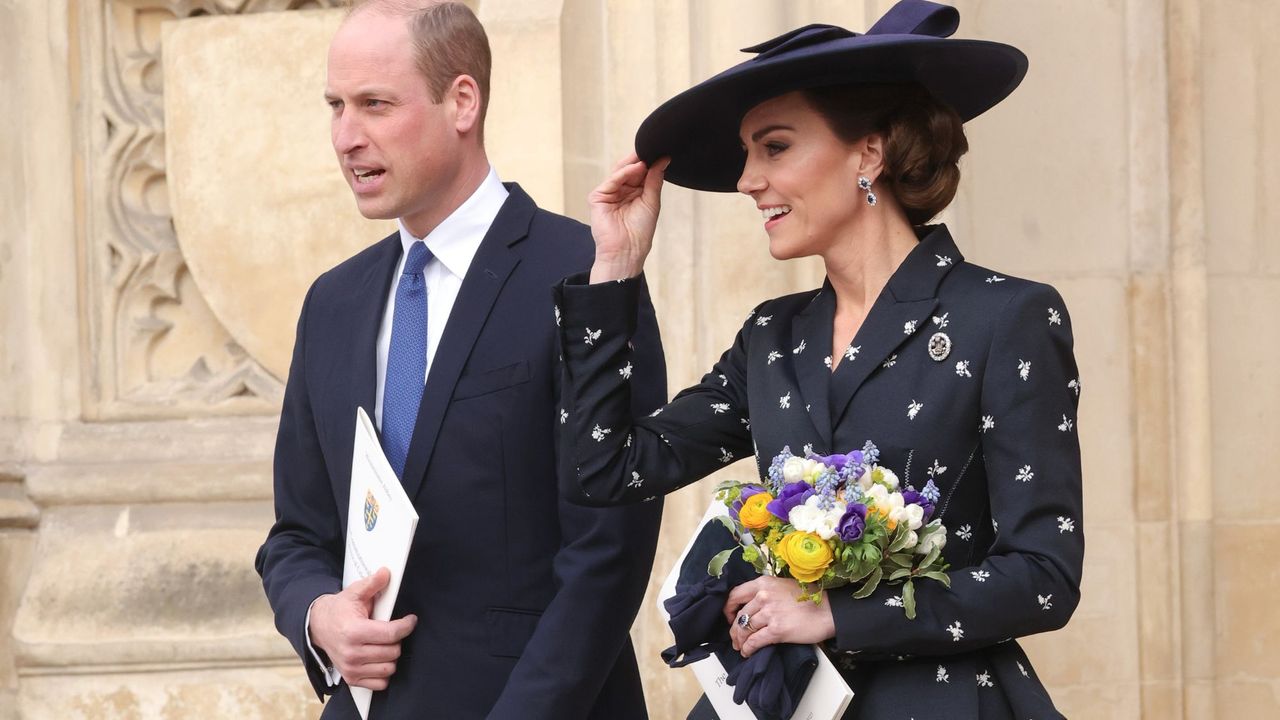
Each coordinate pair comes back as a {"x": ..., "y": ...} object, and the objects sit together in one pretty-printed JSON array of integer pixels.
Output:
[{"x": 924, "y": 139}]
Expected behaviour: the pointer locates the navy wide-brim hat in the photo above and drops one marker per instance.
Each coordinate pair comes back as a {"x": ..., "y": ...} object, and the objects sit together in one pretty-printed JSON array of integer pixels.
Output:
[{"x": 698, "y": 129}]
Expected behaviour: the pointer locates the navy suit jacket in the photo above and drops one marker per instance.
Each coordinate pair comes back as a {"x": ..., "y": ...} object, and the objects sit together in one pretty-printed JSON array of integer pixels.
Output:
[{"x": 524, "y": 601}]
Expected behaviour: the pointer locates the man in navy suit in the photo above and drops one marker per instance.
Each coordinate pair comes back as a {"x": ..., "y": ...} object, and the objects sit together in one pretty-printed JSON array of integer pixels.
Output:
[{"x": 514, "y": 604}]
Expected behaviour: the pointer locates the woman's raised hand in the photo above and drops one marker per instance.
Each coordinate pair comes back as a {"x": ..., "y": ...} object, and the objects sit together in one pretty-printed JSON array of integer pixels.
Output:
[{"x": 624, "y": 213}]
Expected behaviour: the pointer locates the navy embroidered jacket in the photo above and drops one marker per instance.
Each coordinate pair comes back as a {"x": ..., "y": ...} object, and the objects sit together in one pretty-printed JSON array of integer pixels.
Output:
[{"x": 958, "y": 374}]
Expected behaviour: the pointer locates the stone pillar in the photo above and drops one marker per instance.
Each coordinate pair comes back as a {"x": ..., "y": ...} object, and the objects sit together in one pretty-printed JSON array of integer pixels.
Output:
[
  {"x": 1192, "y": 454},
  {"x": 1152, "y": 358},
  {"x": 1239, "y": 120}
]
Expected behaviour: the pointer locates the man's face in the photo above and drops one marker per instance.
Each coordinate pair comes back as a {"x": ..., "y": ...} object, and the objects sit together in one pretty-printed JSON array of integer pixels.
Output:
[{"x": 399, "y": 151}]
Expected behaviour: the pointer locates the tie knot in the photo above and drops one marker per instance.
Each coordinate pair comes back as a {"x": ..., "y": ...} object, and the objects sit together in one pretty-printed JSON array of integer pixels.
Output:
[{"x": 418, "y": 258}]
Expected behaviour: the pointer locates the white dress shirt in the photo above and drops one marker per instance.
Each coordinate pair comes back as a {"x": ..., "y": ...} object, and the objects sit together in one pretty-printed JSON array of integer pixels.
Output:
[{"x": 453, "y": 243}]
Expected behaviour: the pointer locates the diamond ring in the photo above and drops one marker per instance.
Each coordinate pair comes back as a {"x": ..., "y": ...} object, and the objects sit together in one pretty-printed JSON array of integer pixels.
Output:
[{"x": 744, "y": 622}]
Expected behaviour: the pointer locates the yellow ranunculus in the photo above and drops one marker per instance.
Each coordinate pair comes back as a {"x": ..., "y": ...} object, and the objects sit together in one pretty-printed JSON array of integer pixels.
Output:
[
  {"x": 806, "y": 554},
  {"x": 754, "y": 514}
]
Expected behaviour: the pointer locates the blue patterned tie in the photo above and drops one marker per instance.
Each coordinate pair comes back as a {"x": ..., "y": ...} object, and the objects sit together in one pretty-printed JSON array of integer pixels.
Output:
[{"x": 406, "y": 360}]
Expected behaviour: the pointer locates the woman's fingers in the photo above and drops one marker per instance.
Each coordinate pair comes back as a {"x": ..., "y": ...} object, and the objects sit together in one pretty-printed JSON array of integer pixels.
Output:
[
  {"x": 738, "y": 597},
  {"x": 758, "y": 614},
  {"x": 621, "y": 187},
  {"x": 653, "y": 178},
  {"x": 632, "y": 174},
  {"x": 737, "y": 632},
  {"x": 762, "y": 637},
  {"x": 628, "y": 159}
]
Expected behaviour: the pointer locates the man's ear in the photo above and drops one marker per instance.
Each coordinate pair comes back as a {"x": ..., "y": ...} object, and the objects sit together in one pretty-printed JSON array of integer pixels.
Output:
[{"x": 465, "y": 94}]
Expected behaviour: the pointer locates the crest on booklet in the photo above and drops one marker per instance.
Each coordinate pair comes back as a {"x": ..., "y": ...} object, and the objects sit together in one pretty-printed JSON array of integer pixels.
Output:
[{"x": 370, "y": 510}]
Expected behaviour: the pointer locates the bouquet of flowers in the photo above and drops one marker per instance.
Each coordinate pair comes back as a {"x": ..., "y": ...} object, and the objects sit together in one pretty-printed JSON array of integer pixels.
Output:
[{"x": 836, "y": 520}]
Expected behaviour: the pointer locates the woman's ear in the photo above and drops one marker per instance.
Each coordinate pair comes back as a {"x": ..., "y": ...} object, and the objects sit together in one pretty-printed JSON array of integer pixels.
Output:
[{"x": 872, "y": 156}]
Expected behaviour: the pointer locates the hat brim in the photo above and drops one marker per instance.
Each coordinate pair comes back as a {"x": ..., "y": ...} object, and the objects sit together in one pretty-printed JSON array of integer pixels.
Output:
[{"x": 698, "y": 129}]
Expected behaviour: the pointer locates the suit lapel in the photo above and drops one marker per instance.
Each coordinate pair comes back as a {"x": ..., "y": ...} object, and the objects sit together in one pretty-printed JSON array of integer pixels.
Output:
[
  {"x": 489, "y": 270},
  {"x": 373, "y": 291},
  {"x": 812, "y": 326},
  {"x": 902, "y": 310}
]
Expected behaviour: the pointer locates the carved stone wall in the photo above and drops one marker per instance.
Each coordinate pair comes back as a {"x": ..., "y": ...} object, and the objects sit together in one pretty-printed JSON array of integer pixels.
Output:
[
  {"x": 157, "y": 349},
  {"x": 1136, "y": 169}
]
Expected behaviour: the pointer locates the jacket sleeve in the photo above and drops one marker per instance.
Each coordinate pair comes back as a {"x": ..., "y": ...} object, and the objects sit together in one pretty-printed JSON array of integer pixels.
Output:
[
  {"x": 609, "y": 458},
  {"x": 601, "y": 572},
  {"x": 301, "y": 557},
  {"x": 1029, "y": 581}
]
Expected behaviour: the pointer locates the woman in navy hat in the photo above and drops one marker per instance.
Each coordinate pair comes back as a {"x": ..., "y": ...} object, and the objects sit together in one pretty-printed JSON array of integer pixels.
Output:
[{"x": 848, "y": 144}]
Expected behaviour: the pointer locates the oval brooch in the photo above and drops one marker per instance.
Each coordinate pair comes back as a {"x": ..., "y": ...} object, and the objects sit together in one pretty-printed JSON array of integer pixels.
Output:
[{"x": 939, "y": 346}]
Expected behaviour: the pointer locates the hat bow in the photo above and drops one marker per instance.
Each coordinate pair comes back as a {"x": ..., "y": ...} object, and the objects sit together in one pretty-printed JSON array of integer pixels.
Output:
[{"x": 908, "y": 17}]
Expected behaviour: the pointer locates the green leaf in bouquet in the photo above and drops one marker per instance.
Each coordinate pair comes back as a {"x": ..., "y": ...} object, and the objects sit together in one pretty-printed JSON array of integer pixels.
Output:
[
  {"x": 909, "y": 599},
  {"x": 941, "y": 577},
  {"x": 728, "y": 522},
  {"x": 868, "y": 553},
  {"x": 726, "y": 485},
  {"x": 716, "y": 566},
  {"x": 901, "y": 537},
  {"x": 849, "y": 565},
  {"x": 930, "y": 559},
  {"x": 901, "y": 559},
  {"x": 869, "y": 586},
  {"x": 899, "y": 574},
  {"x": 861, "y": 571}
]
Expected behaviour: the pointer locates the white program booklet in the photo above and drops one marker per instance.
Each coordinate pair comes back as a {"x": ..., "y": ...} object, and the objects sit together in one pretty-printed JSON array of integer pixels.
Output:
[
  {"x": 380, "y": 526},
  {"x": 826, "y": 697}
]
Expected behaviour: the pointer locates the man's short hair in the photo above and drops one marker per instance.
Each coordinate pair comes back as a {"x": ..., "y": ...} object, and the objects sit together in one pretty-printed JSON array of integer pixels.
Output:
[{"x": 448, "y": 41}]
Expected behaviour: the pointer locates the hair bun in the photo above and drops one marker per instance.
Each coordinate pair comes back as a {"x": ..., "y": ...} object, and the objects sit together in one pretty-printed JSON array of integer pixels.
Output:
[{"x": 924, "y": 139}]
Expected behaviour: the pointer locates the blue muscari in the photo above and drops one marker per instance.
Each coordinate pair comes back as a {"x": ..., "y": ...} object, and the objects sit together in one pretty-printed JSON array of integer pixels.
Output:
[
  {"x": 870, "y": 453},
  {"x": 826, "y": 487},
  {"x": 775, "y": 471},
  {"x": 931, "y": 492}
]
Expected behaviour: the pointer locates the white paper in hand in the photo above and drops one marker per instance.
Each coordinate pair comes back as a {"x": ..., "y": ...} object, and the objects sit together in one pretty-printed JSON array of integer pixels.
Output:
[
  {"x": 380, "y": 526},
  {"x": 826, "y": 697}
]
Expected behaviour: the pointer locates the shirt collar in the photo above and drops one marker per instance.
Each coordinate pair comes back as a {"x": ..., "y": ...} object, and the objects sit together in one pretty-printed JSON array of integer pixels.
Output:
[{"x": 454, "y": 241}]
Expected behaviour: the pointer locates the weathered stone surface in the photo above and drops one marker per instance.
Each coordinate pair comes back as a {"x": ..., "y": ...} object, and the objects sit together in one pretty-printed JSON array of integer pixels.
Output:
[
  {"x": 147, "y": 584},
  {"x": 15, "y": 562},
  {"x": 16, "y": 509},
  {"x": 1247, "y": 582},
  {"x": 1246, "y": 392},
  {"x": 258, "y": 199},
  {"x": 524, "y": 132},
  {"x": 252, "y": 693}
]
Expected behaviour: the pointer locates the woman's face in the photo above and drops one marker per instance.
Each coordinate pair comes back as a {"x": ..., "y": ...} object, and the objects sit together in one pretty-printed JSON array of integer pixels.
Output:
[{"x": 803, "y": 178}]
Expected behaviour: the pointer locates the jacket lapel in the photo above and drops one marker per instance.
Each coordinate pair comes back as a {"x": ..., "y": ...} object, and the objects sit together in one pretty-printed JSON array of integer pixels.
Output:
[
  {"x": 489, "y": 270},
  {"x": 367, "y": 319},
  {"x": 812, "y": 326},
  {"x": 902, "y": 310}
]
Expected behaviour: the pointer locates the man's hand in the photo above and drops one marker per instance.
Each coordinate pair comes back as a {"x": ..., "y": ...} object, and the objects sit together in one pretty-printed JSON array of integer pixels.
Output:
[{"x": 363, "y": 650}]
